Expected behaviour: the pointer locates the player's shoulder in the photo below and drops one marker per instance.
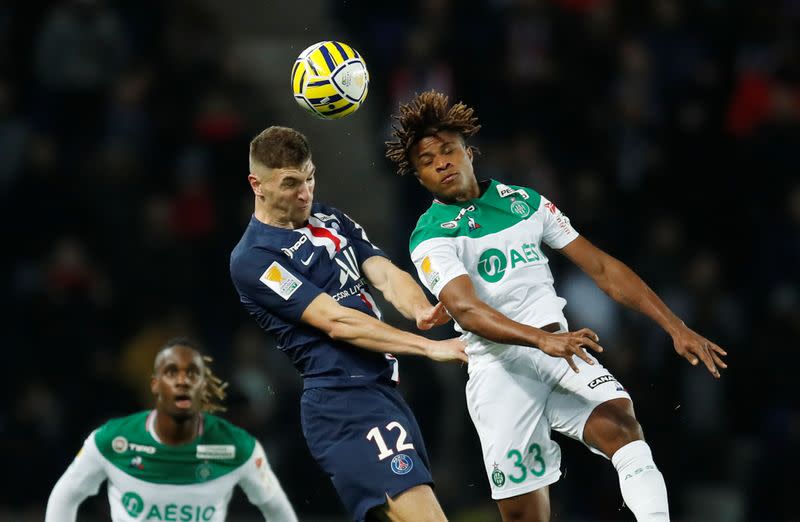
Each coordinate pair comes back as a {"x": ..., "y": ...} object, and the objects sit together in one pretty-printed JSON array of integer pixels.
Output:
[
  {"x": 254, "y": 248},
  {"x": 116, "y": 433},
  {"x": 229, "y": 440},
  {"x": 439, "y": 221}
]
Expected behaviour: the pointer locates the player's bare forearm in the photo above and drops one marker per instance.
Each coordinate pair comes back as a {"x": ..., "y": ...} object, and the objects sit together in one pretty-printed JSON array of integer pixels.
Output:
[
  {"x": 621, "y": 283},
  {"x": 364, "y": 331},
  {"x": 405, "y": 294},
  {"x": 397, "y": 286},
  {"x": 625, "y": 287},
  {"x": 617, "y": 280},
  {"x": 481, "y": 319},
  {"x": 473, "y": 315}
]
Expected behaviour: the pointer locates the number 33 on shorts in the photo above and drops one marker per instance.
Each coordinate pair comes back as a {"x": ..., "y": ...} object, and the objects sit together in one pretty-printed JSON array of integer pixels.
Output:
[
  {"x": 537, "y": 468},
  {"x": 374, "y": 435}
]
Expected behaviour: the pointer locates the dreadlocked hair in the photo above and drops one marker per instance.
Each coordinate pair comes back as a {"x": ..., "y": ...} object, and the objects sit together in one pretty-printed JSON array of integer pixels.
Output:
[
  {"x": 425, "y": 115},
  {"x": 214, "y": 393}
]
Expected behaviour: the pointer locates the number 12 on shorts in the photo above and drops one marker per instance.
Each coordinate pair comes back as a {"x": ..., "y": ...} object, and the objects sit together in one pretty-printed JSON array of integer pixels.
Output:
[{"x": 375, "y": 435}]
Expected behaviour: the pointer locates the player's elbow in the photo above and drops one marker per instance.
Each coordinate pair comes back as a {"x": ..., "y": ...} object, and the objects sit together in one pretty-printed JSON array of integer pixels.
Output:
[
  {"x": 336, "y": 331},
  {"x": 467, "y": 314},
  {"x": 338, "y": 328}
]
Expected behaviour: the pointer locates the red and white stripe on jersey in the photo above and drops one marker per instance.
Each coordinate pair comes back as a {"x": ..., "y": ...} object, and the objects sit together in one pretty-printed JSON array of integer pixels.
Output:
[
  {"x": 323, "y": 236},
  {"x": 371, "y": 304},
  {"x": 395, "y": 367}
]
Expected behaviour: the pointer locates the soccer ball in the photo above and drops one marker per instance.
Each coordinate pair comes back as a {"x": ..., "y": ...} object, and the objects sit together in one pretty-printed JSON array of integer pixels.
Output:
[{"x": 330, "y": 80}]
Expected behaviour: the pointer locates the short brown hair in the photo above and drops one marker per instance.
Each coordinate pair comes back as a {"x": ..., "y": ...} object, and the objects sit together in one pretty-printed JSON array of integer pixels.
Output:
[
  {"x": 280, "y": 147},
  {"x": 425, "y": 115}
]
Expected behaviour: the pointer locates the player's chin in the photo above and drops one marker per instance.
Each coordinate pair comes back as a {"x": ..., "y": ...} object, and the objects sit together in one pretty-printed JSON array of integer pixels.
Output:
[{"x": 303, "y": 213}]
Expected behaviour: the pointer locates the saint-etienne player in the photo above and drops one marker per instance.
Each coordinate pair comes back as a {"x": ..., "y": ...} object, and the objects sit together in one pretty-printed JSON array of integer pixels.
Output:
[
  {"x": 304, "y": 270},
  {"x": 175, "y": 462},
  {"x": 478, "y": 250}
]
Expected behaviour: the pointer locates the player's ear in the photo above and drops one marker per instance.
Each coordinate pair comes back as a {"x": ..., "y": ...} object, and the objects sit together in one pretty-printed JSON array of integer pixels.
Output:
[
  {"x": 154, "y": 386},
  {"x": 255, "y": 184},
  {"x": 469, "y": 153}
]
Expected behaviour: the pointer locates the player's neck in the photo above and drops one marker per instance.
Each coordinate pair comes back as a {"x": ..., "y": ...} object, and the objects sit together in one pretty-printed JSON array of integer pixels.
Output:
[
  {"x": 473, "y": 190},
  {"x": 172, "y": 432}
]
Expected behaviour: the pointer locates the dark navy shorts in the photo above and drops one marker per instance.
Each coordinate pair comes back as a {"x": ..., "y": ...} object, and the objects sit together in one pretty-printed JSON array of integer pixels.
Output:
[{"x": 368, "y": 442}]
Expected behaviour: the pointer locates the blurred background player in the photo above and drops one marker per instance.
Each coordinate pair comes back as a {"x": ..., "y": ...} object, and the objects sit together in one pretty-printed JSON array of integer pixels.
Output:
[
  {"x": 478, "y": 249},
  {"x": 175, "y": 462},
  {"x": 303, "y": 270}
]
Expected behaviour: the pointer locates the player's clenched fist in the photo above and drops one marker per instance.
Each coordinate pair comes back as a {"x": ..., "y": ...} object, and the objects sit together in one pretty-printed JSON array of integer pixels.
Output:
[{"x": 567, "y": 344}]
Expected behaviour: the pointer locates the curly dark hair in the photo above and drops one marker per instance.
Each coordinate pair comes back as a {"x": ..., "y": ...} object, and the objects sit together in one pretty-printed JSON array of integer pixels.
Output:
[{"x": 425, "y": 115}]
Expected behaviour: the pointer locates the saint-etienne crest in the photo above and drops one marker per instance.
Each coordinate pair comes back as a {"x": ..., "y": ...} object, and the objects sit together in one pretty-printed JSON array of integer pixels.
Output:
[{"x": 498, "y": 477}]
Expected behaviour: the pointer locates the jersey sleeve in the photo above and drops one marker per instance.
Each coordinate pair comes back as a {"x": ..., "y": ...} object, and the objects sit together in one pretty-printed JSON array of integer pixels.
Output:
[
  {"x": 263, "y": 489},
  {"x": 81, "y": 479},
  {"x": 557, "y": 231},
  {"x": 363, "y": 247},
  {"x": 437, "y": 263},
  {"x": 274, "y": 285}
]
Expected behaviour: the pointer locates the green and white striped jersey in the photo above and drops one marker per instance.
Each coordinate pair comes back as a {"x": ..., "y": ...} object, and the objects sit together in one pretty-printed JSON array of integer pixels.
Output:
[
  {"x": 496, "y": 240},
  {"x": 151, "y": 481}
]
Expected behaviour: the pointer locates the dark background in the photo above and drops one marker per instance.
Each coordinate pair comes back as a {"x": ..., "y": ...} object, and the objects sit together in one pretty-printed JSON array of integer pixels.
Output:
[{"x": 669, "y": 132}]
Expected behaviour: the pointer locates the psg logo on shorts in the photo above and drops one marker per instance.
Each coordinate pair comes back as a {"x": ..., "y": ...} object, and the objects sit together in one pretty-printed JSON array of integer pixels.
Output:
[{"x": 402, "y": 464}]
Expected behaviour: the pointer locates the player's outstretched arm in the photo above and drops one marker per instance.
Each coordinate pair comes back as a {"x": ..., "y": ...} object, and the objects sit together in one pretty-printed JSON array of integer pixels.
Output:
[
  {"x": 474, "y": 315},
  {"x": 623, "y": 285},
  {"x": 263, "y": 489},
  {"x": 362, "y": 330},
  {"x": 81, "y": 479},
  {"x": 403, "y": 292}
]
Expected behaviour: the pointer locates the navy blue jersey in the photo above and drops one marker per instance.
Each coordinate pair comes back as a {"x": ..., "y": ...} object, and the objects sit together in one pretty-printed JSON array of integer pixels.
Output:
[{"x": 278, "y": 272}]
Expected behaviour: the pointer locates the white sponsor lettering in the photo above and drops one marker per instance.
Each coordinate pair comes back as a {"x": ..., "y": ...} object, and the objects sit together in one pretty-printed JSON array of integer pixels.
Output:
[
  {"x": 216, "y": 451},
  {"x": 294, "y": 248}
]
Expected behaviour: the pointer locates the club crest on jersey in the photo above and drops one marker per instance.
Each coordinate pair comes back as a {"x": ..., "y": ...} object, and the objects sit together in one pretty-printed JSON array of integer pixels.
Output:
[
  {"x": 119, "y": 444},
  {"x": 520, "y": 208},
  {"x": 402, "y": 464},
  {"x": 203, "y": 471},
  {"x": 280, "y": 280},
  {"x": 498, "y": 477}
]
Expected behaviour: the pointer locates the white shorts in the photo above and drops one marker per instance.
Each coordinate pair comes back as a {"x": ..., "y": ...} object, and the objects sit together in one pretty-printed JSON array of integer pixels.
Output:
[{"x": 516, "y": 398}]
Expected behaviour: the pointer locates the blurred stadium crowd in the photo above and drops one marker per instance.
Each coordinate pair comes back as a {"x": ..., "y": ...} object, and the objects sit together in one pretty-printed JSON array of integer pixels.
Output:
[{"x": 669, "y": 132}]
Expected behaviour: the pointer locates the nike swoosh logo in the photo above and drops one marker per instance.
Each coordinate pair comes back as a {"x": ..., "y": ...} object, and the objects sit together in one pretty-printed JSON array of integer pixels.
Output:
[{"x": 307, "y": 260}]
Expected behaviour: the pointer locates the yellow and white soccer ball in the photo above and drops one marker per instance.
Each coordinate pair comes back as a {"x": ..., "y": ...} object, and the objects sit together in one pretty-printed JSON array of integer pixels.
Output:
[{"x": 330, "y": 80}]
